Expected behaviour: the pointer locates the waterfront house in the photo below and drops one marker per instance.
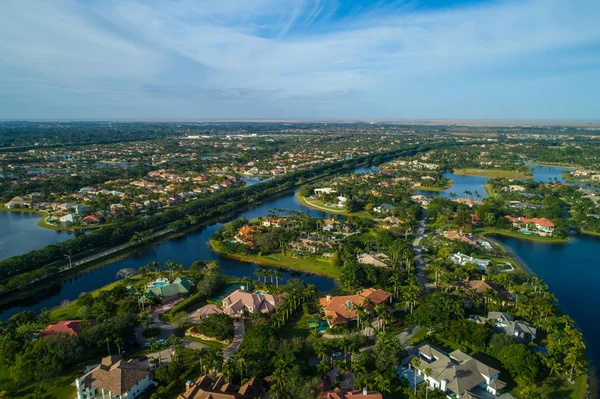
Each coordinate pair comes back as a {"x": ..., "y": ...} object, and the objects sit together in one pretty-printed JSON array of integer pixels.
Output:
[
  {"x": 206, "y": 387},
  {"x": 70, "y": 327},
  {"x": 457, "y": 374},
  {"x": 114, "y": 378},
  {"x": 504, "y": 323},
  {"x": 462, "y": 259},
  {"x": 540, "y": 226},
  {"x": 482, "y": 287},
  {"x": 343, "y": 309},
  {"x": 454, "y": 235},
  {"x": 163, "y": 289},
  {"x": 16, "y": 202},
  {"x": 241, "y": 302}
]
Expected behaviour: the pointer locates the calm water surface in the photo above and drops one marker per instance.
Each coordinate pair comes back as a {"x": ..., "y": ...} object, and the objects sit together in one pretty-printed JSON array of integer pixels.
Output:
[
  {"x": 183, "y": 250},
  {"x": 19, "y": 234},
  {"x": 572, "y": 272}
]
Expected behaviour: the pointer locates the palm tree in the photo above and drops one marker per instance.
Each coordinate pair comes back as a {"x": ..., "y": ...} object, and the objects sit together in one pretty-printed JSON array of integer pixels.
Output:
[
  {"x": 415, "y": 362},
  {"x": 348, "y": 305},
  {"x": 427, "y": 373},
  {"x": 246, "y": 282},
  {"x": 278, "y": 275}
]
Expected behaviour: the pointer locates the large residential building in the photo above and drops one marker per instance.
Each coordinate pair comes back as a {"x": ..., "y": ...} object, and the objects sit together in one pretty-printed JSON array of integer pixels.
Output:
[
  {"x": 457, "y": 374},
  {"x": 113, "y": 378},
  {"x": 241, "y": 301},
  {"x": 165, "y": 289},
  {"x": 540, "y": 226},
  {"x": 461, "y": 259},
  {"x": 70, "y": 327},
  {"x": 207, "y": 388},
  {"x": 374, "y": 259},
  {"x": 504, "y": 323},
  {"x": 342, "y": 309}
]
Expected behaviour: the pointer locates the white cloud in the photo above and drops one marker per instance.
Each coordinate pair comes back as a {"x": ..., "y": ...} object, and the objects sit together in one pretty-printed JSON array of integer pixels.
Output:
[{"x": 280, "y": 49}]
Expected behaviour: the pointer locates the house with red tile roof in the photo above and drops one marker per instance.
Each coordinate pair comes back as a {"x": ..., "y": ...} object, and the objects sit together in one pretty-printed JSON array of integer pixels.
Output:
[
  {"x": 541, "y": 226},
  {"x": 354, "y": 394},
  {"x": 71, "y": 327},
  {"x": 342, "y": 309}
]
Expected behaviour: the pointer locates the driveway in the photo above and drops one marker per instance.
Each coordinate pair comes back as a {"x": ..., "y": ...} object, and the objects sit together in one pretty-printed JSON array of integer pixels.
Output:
[{"x": 229, "y": 351}]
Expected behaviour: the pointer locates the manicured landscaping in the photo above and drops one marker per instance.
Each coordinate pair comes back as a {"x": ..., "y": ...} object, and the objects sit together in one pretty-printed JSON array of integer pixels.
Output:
[
  {"x": 492, "y": 173},
  {"x": 321, "y": 206},
  {"x": 309, "y": 264}
]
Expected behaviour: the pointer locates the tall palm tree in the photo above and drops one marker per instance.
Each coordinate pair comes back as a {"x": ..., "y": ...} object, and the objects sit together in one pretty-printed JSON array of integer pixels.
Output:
[
  {"x": 278, "y": 275},
  {"x": 415, "y": 362},
  {"x": 348, "y": 305},
  {"x": 427, "y": 373}
]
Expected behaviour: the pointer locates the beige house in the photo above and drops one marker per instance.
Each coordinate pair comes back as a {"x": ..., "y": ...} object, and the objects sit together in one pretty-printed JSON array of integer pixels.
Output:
[
  {"x": 239, "y": 303},
  {"x": 114, "y": 378}
]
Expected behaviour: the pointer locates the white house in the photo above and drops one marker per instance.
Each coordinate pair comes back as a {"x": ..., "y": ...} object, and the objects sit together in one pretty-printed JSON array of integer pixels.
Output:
[{"x": 462, "y": 259}]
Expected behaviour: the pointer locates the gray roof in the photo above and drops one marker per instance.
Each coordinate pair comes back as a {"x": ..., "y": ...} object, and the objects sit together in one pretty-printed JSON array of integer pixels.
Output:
[{"x": 461, "y": 371}]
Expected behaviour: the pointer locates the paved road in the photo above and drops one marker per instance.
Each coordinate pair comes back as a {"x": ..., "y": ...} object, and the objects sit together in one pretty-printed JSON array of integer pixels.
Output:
[
  {"x": 419, "y": 262},
  {"x": 237, "y": 339}
]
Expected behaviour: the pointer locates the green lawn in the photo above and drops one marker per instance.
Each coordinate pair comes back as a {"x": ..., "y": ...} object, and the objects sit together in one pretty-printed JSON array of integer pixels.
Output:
[
  {"x": 483, "y": 231},
  {"x": 492, "y": 173},
  {"x": 320, "y": 206},
  {"x": 62, "y": 386},
  {"x": 297, "y": 326},
  {"x": 42, "y": 221},
  {"x": 71, "y": 311},
  {"x": 311, "y": 264}
]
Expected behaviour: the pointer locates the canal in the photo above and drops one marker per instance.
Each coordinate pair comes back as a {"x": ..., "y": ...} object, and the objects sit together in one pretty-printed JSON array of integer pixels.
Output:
[{"x": 571, "y": 270}]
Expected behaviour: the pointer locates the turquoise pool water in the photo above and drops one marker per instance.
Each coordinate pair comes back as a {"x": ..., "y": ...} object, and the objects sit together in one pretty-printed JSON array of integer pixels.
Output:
[
  {"x": 260, "y": 292},
  {"x": 159, "y": 283}
]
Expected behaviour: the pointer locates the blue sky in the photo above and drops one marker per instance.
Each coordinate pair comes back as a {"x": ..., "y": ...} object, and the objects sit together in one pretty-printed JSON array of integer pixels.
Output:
[{"x": 361, "y": 59}]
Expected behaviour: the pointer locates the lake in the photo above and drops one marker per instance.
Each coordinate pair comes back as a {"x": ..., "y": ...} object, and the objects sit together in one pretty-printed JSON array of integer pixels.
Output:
[
  {"x": 184, "y": 250},
  {"x": 19, "y": 234},
  {"x": 572, "y": 272}
]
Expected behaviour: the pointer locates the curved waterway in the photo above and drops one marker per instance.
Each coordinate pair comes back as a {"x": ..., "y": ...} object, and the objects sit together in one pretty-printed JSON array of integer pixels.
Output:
[
  {"x": 572, "y": 273},
  {"x": 183, "y": 250}
]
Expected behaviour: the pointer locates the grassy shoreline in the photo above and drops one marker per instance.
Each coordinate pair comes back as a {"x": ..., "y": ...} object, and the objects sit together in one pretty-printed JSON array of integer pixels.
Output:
[
  {"x": 492, "y": 173},
  {"x": 484, "y": 231},
  {"x": 317, "y": 207},
  {"x": 435, "y": 189},
  {"x": 42, "y": 222},
  {"x": 314, "y": 266}
]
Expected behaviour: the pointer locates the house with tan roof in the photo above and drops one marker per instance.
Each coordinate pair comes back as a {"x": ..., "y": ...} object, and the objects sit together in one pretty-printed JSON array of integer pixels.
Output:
[
  {"x": 206, "y": 387},
  {"x": 455, "y": 235},
  {"x": 457, "y": 374},
  {"x": 481, "y": 287},
  {"x": 114, "y": 378},
  {"x": 374, "y": 259},
  {"x": 241, "y": 302},
  {"x": 343, "y": 309}
]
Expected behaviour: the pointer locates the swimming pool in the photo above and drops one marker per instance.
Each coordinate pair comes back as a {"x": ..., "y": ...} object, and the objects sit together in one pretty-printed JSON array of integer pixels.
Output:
[
  {"x": 159, "y": 283},
  {"x": 260, "y": 293}
]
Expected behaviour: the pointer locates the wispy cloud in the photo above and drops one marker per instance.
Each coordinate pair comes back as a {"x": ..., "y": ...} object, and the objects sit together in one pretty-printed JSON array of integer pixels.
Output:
[{"x": 208, "y": 58}]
